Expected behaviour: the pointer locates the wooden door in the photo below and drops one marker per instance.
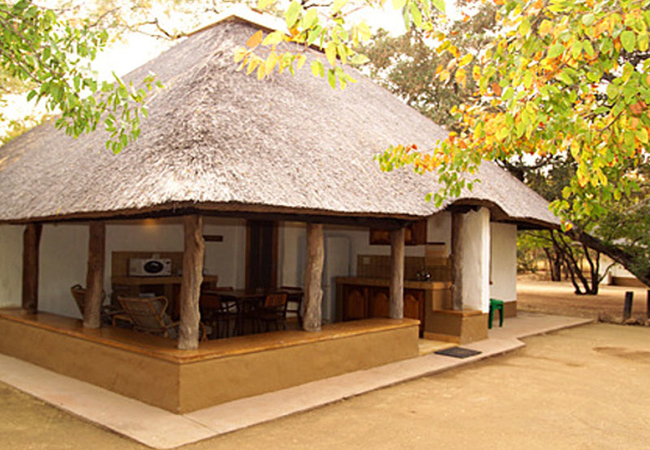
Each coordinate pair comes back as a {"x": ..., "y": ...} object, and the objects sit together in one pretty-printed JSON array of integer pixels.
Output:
[
  {"x": 261, "y": 254},
  {"x": 379, "y": 303},
  {"x": 354, "y": 302}
]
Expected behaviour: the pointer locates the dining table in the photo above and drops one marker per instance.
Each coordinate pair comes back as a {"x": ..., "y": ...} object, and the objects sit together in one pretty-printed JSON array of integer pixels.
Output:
[{"x": 244, "y": 302}]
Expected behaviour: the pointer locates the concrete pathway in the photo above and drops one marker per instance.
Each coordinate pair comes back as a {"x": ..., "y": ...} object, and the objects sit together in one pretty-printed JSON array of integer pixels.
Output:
[{"x": 161, "y": 429}]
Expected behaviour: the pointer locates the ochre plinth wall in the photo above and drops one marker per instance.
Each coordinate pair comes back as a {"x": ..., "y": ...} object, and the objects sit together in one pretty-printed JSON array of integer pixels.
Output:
[{"x": 151, "y": 370}]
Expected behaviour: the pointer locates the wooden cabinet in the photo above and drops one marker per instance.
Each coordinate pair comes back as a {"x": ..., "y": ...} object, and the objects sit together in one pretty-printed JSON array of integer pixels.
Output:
[
  {"x": 354, "y": 303},
  {"x": 378, "y": 302},
  {"x": 364, "y": 302},
  {"x": 415, "y": 234},
  {"x": 414, "y": 305}
]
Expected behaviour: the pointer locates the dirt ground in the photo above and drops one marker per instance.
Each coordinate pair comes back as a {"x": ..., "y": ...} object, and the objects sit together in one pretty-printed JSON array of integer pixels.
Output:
[
  {"x": 582, "y": 388},
  {"x": 559, "y": 298}
]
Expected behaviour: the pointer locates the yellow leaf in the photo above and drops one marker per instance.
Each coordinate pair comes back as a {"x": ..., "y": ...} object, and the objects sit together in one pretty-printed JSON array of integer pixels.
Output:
[
  {"x": 261, "y": 72},
  {"x": 273, "y": 38},
  {"x": 240, "y": 53},
  {"x": 330, "y": 53},
  {"x": 476, "y": 73},
  {"x": 461, "y": 77},
  {"x": 364, "y": 31},
  {"x": 252, "y": 65},
  {"x": 255, "y": 39},
  {"x": 444, "y": 75},
  {"x": 270, "y": 63},
  {"x": 465, "y": 60},
  {"x": 301, "y": 61},
  {"x": 545, "y": 28}
]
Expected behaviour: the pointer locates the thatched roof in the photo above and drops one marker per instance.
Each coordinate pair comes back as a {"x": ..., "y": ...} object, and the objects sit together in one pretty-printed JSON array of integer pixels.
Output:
[{"x": 217, "y": 139}]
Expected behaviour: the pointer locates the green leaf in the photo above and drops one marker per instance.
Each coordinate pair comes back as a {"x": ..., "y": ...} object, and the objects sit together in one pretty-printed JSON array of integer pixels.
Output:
[
  {"x": 359, "y": 59},
  {"x": 588, "y": 19},
  {"x": 642, "y": 42},
  {"x": 309, "y": 19},
  {"x": 439, "y": 5},
  {"x": 331, "y": 78},
  {"x": 338, "y": 4},
  {"x": 330, "y": 53},
  {"x": 576, "y": 49},
  {"x": 263, "y": 4},
  {"x": 628, "y": 40},
  {"x": 317, "y": 68},
  {"x": 292, "y": 13},
  {"x": 528, "y": 80},
  {"x": 398, "y": 4},
  {"x": 556, "y": 51},
  {"x": 416, "y": 14}
]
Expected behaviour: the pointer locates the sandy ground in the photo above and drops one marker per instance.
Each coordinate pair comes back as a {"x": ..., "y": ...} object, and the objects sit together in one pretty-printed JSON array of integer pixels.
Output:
[
  {"x": 559, "y": 298},
  {"x": 583, "y": 388}
]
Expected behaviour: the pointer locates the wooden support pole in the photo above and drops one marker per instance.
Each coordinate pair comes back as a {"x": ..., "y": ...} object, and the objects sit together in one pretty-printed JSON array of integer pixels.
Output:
[
  {"x": 31, "y": 244},
  {"x": 396, "y": 305},
  {"x": 313, "y": 277},
  {"x": 627, "y": 307},
  {"x": 457, "y": 260},
  {"x": 647, "y": 305},
  {"x": 95, "y": 275},
  {"x": 188, "y": 338}
]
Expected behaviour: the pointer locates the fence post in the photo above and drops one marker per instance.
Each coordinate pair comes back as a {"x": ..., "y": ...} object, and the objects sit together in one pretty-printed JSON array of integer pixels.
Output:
[
  {"x": 647, "y": 306},
  {"x": 627, "y": 308}
]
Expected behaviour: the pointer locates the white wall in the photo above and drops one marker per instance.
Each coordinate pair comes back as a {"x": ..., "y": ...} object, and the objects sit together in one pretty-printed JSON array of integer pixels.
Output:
[
  {"x": 293, "y": 245},
  {"x": 11, "y": 265},
  {"x": 475, "y": 236},
  {"x": 64, "y": 256},
  {"x": 503, "y": 261},
  {"x": 439, "y": 230},
  {"x": 292, "y": 253},
  {"x": 63, "y": 261}
]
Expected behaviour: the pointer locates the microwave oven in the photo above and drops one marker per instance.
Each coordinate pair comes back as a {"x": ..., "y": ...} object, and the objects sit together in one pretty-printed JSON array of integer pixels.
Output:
[{"x": 150, "y": 267}]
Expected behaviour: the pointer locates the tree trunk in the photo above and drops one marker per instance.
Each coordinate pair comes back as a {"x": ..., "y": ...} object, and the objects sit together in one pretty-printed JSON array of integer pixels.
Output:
[
  {"x": 396, "y": 308},
  {"x": 188, "y": 338},
  {"x": 571, "y": 263},
  {"x": 313, "y": 278},
  {"x": 616, "y": 254},
  {"x": 555, "y": 261},
  {"x": 31, "y": 245},
  {"x": 95, "y": 275}
]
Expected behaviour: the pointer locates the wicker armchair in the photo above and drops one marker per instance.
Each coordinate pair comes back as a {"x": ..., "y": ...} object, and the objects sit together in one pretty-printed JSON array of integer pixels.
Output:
[
  {"x": 109, "y": 314},
  {"x": 149, "y": 314}
]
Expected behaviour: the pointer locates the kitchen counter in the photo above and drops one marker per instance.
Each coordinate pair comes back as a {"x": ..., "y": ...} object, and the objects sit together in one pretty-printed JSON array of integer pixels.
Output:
[{"x": 385, "y": 282}]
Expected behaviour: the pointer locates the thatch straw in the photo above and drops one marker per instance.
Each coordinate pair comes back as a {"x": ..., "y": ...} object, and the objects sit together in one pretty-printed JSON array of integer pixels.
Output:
[{"x": 219, "y": 139}]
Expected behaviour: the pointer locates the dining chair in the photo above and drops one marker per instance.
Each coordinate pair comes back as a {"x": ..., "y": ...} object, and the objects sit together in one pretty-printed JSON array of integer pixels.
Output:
[
  {"x": 220, "y": 315},
  {"x": 294, "y": 301},
  {"x": 272, "y": 310}
]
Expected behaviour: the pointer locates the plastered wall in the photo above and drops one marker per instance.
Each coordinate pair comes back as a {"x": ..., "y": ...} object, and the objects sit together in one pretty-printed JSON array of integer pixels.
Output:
[
  {"x": 503, "y": 261},
  {"x": 293, "y": 247},
  {"x": 64, "y": 256},
  {"x": 11, "y": 260},
  {"x": 475, "y": 236}
]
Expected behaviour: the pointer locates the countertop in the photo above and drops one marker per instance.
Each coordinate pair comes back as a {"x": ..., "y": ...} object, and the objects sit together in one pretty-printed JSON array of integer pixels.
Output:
[{"x": 408, "y": 284}]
